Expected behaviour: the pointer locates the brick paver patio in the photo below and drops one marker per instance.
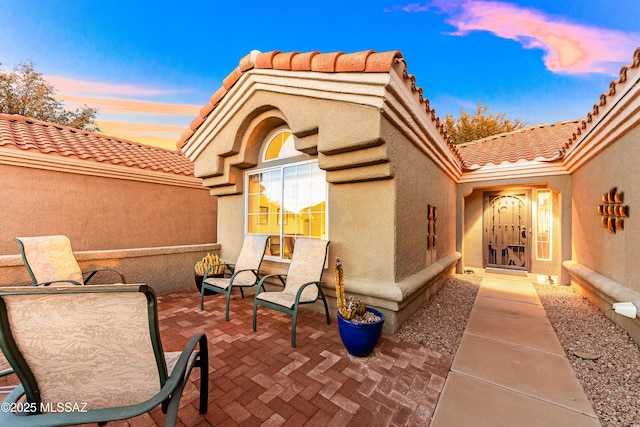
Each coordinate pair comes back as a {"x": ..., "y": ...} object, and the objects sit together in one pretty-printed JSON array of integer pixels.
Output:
[{"x": 258, "y": 379}]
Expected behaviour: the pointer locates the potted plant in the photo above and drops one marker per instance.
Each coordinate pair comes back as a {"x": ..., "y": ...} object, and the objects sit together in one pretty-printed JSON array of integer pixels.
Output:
[
  {"x": 205, "y": 264},
  {"x": 360, "y": 326}
]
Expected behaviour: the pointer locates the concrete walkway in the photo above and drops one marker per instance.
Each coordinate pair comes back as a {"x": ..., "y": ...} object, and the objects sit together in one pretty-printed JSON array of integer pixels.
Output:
[{"x": 510, "y": 369}]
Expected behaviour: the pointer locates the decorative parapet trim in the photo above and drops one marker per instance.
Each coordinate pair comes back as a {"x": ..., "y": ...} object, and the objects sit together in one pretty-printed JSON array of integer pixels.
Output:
[
  {"x": 611, "y": 291},
  {"x": 602, "y": 292},
  {"x": 517, "y": 170},
  {"x": 617, "y": 114},
  {"x": 36, "y": 160},
  {"x": 16, "y": 260},
  {"x": 393, "y": 295},
  {"x": 406, "y": 110},
  {"x": 360, "y": 88},
  {"x": 386, "y": 93}
]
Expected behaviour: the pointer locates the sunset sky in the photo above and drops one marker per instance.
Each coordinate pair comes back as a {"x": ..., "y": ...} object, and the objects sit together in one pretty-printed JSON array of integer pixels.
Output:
[{"x": 150, "y": 66}]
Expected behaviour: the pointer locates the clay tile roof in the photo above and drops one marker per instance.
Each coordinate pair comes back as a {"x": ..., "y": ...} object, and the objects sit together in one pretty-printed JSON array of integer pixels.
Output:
[
  {"x": 540, "y": 142},
  {"x": 28, "y": 134},
  {"x": 367, "y": 61}
]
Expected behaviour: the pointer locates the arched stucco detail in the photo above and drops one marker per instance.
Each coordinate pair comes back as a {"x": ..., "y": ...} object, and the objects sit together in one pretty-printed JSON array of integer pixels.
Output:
[{"x": 345, "y": 137}]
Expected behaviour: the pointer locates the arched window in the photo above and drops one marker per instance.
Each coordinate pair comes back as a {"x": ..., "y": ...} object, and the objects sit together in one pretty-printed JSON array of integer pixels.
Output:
[
  {"x": 288, "y": 200},
  {"x": 281, "y": 145}
]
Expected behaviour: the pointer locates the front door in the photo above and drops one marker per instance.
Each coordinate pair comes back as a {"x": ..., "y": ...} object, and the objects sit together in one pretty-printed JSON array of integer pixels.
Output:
[{"x": 506, "y": 230}]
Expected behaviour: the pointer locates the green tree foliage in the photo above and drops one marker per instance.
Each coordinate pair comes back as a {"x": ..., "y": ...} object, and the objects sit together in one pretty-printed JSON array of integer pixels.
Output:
[
  {"x": 25, "y": 92},
  {"x": 481, "y": 125}
]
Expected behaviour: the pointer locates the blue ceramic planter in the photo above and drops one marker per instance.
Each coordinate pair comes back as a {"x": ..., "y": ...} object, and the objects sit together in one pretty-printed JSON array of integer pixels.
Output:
[{"x": 360, "y": 338}]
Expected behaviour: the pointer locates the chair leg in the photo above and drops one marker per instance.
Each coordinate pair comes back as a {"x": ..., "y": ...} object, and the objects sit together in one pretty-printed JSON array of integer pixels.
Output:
[
  {"x": 326, "y": 308},
  {"x": 255, "y": 316},
  {"x": 203, "y": 363},
  {"x": 294, "y": 321},
  {"x": 174, "y": 402},
  {"x": 202, "y": 298},
  {"x": 228, "y": 295},
  {"x": 242, "y": 293}
]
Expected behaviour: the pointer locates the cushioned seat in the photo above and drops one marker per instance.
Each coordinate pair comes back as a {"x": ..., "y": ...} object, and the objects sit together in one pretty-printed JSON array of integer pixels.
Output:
[
  {"x": 50, "y": 259},
  {"x": 301, "y": 283},
  {"x": 94, "y": 346},
  {"x": 246, "y": 271}
]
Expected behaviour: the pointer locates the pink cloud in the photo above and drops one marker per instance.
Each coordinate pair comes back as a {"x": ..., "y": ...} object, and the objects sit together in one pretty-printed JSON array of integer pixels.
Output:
[
  {"x": 411, "y": 8},
  {"x": 145, "y": 121},
  {"x": 569, "y": 48},
  {"x": 106, "y": 105},
  {"x": 69, "y": 85},
  {"x": 158, "y": 135}
]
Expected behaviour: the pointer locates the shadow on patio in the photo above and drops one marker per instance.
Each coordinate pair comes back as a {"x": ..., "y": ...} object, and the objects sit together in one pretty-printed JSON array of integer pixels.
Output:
[{"x": 258, "y": 379}]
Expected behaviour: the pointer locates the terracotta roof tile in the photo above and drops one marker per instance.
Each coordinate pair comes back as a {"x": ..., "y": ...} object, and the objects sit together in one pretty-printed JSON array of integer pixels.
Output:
[
  {"x": 325, "y": 62},
  {"x": 367, "y": 61},
  {"x": 282, "y": 61},
  {"x": 382, "y": 62},
  {"x": 247, "y": 62},
  {"x": 302, "y": 61},
  {"x": 28, "y": 134},
  {"x": 232, "y": 78},
  {"x": 541, "y": 142},
  {"x": 353, "y": 61},
  {"x": 265, "y": 60}
]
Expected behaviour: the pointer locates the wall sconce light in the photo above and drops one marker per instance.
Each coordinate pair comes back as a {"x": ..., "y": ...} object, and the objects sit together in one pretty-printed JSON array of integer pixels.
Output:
[{"x": 627, "y": 309}]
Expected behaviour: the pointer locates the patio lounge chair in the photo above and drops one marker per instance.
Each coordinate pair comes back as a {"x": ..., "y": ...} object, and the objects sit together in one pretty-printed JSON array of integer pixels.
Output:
[
  {"x": 91, "y": 354},
  {"x": 245, "y": 272},
  {"x": 301, "y": 283},
  {"x": 50, "y": 259}
]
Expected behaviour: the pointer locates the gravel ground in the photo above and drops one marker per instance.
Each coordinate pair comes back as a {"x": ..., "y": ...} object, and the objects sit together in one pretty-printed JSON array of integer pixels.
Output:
[
  {"x": 440, "y": 322},
  {"x": 611, "y": 382}
]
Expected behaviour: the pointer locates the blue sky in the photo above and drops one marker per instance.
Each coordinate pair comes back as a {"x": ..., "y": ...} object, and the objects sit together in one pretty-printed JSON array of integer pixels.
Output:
[{"x": 150, "y": 66}]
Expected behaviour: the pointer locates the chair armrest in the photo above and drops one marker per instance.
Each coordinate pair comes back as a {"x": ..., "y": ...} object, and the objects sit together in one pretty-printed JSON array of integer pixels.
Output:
[
  {"x": 253, "y": 270},
  {"x": 92, "y": 273},
  {"x": 73, "y": 282},
  {"x": 182, "y": 367},
  {"x": 173, "y": 386},
  {"x": 282, "y": 278},
  {"x": 303, "y": 286},
  {"x": 206, "y": 273}
]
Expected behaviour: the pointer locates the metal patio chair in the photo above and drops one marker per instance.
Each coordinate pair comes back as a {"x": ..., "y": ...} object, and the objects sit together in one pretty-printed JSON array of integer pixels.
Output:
[
  {"x": 50, "y": 259},
  {"x": 91, "y": 354},
  {"x": 246, "y": 271},
  {"x": 301, "y": 283}
]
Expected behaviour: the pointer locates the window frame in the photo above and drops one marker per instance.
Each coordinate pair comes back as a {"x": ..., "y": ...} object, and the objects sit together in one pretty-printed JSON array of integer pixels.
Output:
[
  {"x": 281, "y": 167},
  {"x": 270, "y": 140},
  {"x": 539, "y": 223}
]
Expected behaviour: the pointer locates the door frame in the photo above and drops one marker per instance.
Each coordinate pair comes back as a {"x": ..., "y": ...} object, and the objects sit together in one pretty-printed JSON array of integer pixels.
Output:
[{"x": 487, "y": 198}]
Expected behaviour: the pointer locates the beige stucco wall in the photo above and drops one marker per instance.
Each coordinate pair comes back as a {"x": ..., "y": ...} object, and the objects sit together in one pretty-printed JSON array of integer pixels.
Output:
[
  {"x": 101, "y": 213},
  {"x": 614, "y": 256},
  {"x": 604, "y": 266},
  {"x": 153, "y": 232},
  {"x": 379, "y": 186},
  {"x": 165, "y": 269},
  {"x": 471, "y": 199}
]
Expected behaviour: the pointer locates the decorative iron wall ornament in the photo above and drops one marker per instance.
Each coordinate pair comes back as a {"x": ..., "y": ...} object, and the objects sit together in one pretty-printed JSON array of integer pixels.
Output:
[
  {"x": 613, "y": 211},
  {"x": 432, "y": 217}
]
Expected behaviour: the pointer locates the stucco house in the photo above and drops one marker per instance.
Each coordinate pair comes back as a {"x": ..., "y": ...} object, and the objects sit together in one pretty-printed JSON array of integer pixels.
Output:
[
  {"x": 123, "y": 205},
  {"x": 345, "y": 147}
]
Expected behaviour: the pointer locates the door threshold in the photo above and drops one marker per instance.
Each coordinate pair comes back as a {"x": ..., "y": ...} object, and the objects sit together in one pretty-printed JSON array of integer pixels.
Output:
[{"x": 506, "y": 271}]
